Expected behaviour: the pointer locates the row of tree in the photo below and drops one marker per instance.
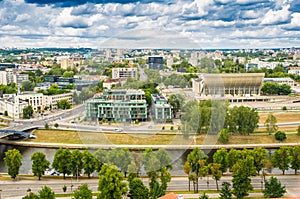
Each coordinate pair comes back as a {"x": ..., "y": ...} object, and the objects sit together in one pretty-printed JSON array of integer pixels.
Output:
[
  {"x": 156, "y": 163},
  {"x": 242, "y": 163},
  {"x": 212, "y": 116}
]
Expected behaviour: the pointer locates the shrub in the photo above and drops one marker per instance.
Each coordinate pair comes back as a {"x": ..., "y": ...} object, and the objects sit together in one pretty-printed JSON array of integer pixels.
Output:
[
  {"x": 298, "y": 130},
  {"x": 172, "y": 128},
  {"x": 280, "y": 136},
  {"x": 163, "y": 128},
  {"x": 64, "y": 188},
  {"x": 5, "y": 113},
  {"x": 284, "y": 108},
  {"x": 224, "y": 136}
]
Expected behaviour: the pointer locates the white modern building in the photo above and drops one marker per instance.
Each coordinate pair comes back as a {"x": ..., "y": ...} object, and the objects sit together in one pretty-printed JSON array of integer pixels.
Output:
[{"x": 124, "y": 73}]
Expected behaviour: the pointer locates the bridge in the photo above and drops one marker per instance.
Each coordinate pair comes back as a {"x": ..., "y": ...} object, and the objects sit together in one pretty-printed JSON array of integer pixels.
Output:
[{"x": 13, "y": 134}]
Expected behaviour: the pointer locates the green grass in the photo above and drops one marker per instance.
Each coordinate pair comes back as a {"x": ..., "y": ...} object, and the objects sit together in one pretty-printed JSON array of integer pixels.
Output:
[{"x": 76, "y": 137}]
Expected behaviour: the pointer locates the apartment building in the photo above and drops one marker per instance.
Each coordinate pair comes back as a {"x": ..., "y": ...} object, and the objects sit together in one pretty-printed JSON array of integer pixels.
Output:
[
  {"x": 117, "y": 105},
  {"x": 161, "y": 110}
]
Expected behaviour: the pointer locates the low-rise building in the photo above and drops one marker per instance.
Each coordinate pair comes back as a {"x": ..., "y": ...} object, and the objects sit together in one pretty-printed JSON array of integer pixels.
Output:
[
  {"x": 51, "y": 100},
  {"x": 281, "y": 80},
  {"x": 12, "y": 106},
  {"x": 117, "y": 105},
  {"x": 124, "y": 73},
  {"x": 161, "y": 110}
]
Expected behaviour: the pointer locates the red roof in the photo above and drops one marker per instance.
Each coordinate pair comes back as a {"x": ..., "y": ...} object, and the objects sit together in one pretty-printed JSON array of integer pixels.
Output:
[{"x": 169, "y": 196}]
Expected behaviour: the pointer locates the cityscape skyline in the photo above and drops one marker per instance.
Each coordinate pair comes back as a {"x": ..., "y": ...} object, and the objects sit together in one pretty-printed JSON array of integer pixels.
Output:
[{"x": 192, "y": 24}]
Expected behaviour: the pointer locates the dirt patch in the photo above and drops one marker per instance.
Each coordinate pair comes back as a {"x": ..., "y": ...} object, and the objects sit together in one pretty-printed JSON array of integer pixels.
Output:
[{"x": 282, "y": 117}]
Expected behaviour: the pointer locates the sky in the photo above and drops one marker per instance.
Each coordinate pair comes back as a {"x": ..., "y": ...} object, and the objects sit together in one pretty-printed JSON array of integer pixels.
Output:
[{"x": 196, "y": 24}]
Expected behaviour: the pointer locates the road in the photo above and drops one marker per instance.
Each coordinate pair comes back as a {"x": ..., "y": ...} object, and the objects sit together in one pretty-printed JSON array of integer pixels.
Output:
[{"x": 18, "y": 188}]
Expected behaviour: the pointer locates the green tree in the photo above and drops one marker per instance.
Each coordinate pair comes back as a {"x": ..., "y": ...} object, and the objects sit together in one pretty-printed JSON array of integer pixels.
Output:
[
  {"x": 295, "y": 158},
  {"x": 46, "y": 193},
  {"x": 176, "y": 101},
  {"x": 224, "y": 136},
  {"x": 156, "y": 165},
  {"x": 63, "y": 104},
  {"x": 273, "y": 188},
  {"x": 121, "y": 158},
  {"x": 197, "y": 160},
  {"x": 39, "y": 164},
  {"x": 76, "y": 162},
  {"x": 28, "y": 86},
  {"x": 27, "y": 112},
  {"x": 5, "y": 113},
  {"x": 242, "y": 120},
  {"x": 56, "y": 125},
  {"x": 220, "y": 157},
  {"x": 225, "y": 192},
  {"x": 203, "y": 196},
  {"x": 83, "y": 193},
  {"x": 241, "y": 181},
  {"x": 271, "y": 124},
  {"x": 62, "y": 161},
  {"x": 13, "y": 160},
  {"x": 31, "y": 196},
  {"x": 111, "y": 183},
  {"x": 47, "y": 126},
  {"x": 280, "y": 159},
  {"x": 216, "y": 173},
  {"x": 298, "y": 131},
  {"x": 89, "y": 163},
  {"x": 137, "y": 190},
  {"x": 260, "y": 156},
  {"x": 232, "y": 157},
  {"x": 280, "y": 136},
  {"x": 187, "y": 170}
]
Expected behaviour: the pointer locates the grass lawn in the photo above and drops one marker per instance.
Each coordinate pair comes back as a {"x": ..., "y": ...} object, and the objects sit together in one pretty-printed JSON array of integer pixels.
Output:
[{"x": 74, "y": 137}]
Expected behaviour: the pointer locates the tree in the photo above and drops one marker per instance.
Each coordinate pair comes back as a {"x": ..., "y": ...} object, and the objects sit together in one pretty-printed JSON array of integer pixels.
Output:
[
  {"x": 220, "y": 157},
  {"x": 224, "y": 136},
  {"x": 27, "y": 112},
  {"x": 56, "y": 125},
  {"x": 31, "y": 196},
  {"x": 232, "y": 157},
  {"x": 203, "y": 196},
  {"x": 241, "y": 181},
  {"x": 295, "y": 158},
  {"x": 176, "y": 101},
  {"x": 83, "y": 193},
  {"x": 197, "y": 160},
  {"x": 280, "y": 136},
  {"x": 62, "y": 161},
  {"x": 5, "y": 113},
  {"x": 46, "y": 193},
  {"x": 39, "y": 164},
  {"x": 137, "y": 190},
  {"x": 89, "y": 163},
  {"x": 216, "y": 173},
  {"x": 260, "y": 156},
  {"x": 271, "y": 124},
  {"x": 28, "y": 86},
  {"x": 13, "y": 160},
  {"x": 47, "y": 126},
  {"x": 225, "y": 192},
  {"x": 63, "y": 104},
  {"x": 242, "y": 120},
  {"x": 298, "y": 131},
  {"x": 76, "y": 162},
  {"x": 273, "y": 188},
  {"x": 121, "y": 158},
  {"x": 111, "y": 183},
  {"x": 280, "y": 159},
  {"x": 157, "y": 165},
  {"x": 187, "y": 170}
]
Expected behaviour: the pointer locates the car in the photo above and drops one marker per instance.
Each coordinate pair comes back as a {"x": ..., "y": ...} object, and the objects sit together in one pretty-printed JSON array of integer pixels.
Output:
[
  {"x": 118, "y": 130},
  {"x": 32, "y": 136},
  {"x": 52, "y": 172}
]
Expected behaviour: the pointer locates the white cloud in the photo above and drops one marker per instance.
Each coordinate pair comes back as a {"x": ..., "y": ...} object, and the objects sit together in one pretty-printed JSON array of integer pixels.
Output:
[{"x": 276, "y": 16}]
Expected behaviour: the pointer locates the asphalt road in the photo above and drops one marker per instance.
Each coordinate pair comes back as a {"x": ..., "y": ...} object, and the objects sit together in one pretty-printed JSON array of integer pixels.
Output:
[{"x": 18, "y": 188}]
